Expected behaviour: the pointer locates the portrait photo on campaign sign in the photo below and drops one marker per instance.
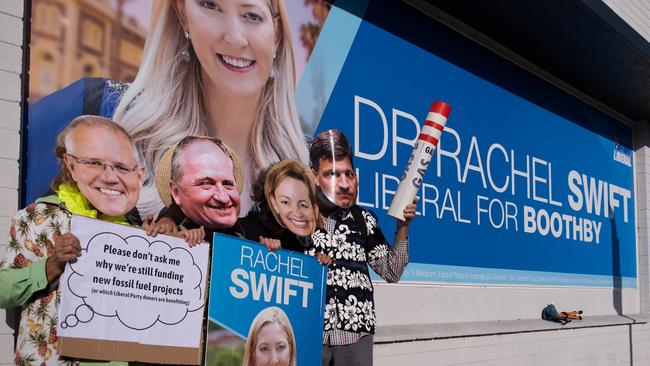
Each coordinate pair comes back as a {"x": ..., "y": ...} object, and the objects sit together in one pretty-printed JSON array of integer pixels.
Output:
[
  {"x": 132, "y": 288},
  {"x": 263, "y": 305}
]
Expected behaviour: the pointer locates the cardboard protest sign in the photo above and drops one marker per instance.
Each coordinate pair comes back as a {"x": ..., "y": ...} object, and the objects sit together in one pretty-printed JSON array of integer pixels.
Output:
[
  {"x": 250, "y": 289},
  {"x": 132, "y": 297}
]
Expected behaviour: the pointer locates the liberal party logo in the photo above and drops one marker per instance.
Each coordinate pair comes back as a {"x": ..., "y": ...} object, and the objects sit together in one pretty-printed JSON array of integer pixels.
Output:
[{"x": 622, "y": 155}]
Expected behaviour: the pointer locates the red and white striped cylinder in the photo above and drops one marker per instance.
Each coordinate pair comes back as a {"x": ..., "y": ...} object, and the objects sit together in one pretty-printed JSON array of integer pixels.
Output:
[{"x": 419, "y": 161}]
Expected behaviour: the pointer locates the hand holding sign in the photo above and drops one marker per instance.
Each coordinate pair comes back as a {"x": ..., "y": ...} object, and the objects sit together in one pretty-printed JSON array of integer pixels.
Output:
[{"x": 66, "y": 249}]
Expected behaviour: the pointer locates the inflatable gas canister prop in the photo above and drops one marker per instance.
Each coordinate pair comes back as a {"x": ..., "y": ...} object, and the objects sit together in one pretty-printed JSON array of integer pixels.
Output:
[{"x": 419, "y": 161}]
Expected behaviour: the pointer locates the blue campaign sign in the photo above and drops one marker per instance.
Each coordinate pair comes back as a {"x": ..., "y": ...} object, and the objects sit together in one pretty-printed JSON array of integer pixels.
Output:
[
  {"x": 250, "y": 285},
  {"x": 534, "y": 187}
]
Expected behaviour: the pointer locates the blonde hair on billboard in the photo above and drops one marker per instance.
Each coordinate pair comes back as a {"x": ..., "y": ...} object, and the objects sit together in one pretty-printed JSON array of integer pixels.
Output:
[
  {"x": 165, "y": 101},
  {"x": 270, "y": 315}
]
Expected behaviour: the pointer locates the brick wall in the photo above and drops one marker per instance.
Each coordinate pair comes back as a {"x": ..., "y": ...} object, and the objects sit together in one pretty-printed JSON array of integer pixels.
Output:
[
  {"x": 11, "y": 64},
  {"x": 642, "y": 166}
]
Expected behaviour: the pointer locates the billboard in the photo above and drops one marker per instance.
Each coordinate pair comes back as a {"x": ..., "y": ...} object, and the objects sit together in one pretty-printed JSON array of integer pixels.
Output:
[
  {"x": 529, "y": 186},
  {"x": 522, "y": 190}
]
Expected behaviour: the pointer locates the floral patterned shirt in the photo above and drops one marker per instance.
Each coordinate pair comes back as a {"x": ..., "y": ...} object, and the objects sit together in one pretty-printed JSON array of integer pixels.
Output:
[
  {"x": 349, "y": 309},
  {"x": 31, "y": 237},
  {"x": 23, "y": 284}
]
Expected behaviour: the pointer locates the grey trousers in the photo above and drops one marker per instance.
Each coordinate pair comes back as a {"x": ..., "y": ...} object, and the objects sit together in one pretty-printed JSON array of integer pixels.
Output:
[{"x": 356, "y": 354}]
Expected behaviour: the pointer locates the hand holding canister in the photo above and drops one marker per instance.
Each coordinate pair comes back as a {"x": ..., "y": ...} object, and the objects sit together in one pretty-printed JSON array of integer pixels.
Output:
[{"x": 420, "y": 158}]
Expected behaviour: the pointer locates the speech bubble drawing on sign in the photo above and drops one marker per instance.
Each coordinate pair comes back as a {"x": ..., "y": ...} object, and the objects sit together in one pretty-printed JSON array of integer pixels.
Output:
[
  {"x": 136, "y": 284},
  {"x": 137, "y": 270}
]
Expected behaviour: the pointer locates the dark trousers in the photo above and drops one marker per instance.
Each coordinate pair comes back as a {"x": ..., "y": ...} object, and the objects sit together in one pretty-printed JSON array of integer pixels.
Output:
[{"x": 356, "y": 354}]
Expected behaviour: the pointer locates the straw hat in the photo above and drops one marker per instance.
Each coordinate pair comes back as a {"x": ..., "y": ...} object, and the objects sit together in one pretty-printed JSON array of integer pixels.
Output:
[{"x": 164, "y": 168}]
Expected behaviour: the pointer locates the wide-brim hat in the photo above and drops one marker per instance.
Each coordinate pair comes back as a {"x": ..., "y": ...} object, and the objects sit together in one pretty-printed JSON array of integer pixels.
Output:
[{"x": 164, "y": 168}]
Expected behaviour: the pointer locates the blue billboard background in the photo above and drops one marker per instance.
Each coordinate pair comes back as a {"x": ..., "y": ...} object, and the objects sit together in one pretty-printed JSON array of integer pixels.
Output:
[
  {"x": 374, "y": 77},
  {"x": 528, "y": 187}
]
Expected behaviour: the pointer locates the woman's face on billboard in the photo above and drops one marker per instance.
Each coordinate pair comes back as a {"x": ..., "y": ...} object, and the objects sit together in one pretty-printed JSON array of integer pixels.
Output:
[{"x": 235, "y": 42}]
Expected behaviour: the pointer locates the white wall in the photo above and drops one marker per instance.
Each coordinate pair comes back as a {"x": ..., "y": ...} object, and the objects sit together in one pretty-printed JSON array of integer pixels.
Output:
[
  {"x": 635, "y": 13},
  {"x": 11, "y": 63},
  {"x": 622, "y": 345},
  {"x": 451, "y": 303}
]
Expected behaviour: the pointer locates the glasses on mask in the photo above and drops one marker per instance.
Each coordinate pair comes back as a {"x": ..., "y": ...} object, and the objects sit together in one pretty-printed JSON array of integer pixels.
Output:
[{"x": 98, "y": 166}]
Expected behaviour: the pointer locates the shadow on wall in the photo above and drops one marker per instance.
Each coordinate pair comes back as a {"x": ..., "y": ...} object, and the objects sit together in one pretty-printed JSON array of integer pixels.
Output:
[{"x": 617, "y": 281}]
